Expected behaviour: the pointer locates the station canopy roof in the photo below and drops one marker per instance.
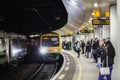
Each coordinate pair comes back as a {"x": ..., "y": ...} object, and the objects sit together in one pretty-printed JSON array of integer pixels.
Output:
[
  {"x": 32, "y": 16},
  {"x": 39, "y": 16}
]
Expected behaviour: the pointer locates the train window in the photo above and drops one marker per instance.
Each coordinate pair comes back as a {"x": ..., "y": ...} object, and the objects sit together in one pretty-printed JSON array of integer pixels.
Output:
[
  {"x": 50, "y": 42},
  {"x": 54, "y": 39}
]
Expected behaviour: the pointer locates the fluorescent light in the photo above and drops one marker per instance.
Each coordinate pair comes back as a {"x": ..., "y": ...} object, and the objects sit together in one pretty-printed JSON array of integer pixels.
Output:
[
  {"x": 73, "y": 2},
  {"x": 0, "y": 41},
  {"x": 95, "y": 4},
  {"x": 93, "y": 13},
  {"x": 89, "y": 21}
]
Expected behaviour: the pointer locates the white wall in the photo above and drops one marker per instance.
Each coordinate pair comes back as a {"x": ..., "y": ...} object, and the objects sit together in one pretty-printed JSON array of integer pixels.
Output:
[
  {"x": 102, "y": 32},
  {"x": 106, "y": 31},
  {"x": 114, "y": 33},
  {"x": 97, "y": 31},
  {"x": 118, "y": 38}
]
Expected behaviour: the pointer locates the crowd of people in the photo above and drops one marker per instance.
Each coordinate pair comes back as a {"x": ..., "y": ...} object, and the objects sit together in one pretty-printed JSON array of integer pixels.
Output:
[{"x": 96, "y": 48}]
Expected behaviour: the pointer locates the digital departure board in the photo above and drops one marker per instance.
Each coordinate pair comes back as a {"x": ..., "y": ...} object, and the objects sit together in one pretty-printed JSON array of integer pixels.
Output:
[{"x": 100, "y": 21}]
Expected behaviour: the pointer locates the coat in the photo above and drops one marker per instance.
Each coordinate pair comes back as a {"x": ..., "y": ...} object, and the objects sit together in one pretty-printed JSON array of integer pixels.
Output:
[{"x": 111, "y": 53}]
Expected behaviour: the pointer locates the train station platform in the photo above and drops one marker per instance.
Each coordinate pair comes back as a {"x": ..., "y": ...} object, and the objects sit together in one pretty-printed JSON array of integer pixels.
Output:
[{"x": 82, "y": 68}]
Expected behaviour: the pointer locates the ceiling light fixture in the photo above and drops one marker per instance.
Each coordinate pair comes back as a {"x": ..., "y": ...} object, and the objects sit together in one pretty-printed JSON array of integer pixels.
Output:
[
  {"x": 73, "y": 2},
  {"x": 95, "y": 4},
  {"x": 93, "y": 13},
  {"x": 89, "y": 21}
]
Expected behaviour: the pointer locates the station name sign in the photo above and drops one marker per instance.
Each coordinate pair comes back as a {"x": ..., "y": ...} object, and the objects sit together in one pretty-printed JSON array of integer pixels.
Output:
[{"x": 101, "y": 22}]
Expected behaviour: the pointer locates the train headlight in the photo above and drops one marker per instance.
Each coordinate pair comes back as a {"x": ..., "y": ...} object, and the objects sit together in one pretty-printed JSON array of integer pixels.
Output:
[
  {"x": 43, "y": 50},
  {"x": 56, "y": 50}
]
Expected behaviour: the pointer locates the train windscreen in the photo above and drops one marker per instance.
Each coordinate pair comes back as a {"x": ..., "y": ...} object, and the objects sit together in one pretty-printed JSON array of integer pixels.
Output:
[{"x": 50, "y": 41}]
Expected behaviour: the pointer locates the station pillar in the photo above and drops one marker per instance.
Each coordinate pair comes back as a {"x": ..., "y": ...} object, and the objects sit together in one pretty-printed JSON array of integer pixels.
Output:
[{"x": 115, "y": 37}]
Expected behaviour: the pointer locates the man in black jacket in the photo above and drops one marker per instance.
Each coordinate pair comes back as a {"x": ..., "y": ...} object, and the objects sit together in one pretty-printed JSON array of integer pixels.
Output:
[
  {"x": 95, "y": 47},
  {"x": 82, "y": 46},
  {"x": 111, "y": 55}
]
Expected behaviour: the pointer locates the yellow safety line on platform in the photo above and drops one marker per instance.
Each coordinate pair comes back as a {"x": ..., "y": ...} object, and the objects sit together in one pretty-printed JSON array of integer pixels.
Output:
[{"x": 80, "y": 70}]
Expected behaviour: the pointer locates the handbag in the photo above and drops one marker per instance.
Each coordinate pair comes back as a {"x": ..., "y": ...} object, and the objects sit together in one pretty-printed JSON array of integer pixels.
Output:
[{"x": 105, "y": 70}]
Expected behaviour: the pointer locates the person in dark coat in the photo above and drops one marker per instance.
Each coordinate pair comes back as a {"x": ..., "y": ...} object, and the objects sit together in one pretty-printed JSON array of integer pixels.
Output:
[
  {"x": 110, "y": 52},
  {"x": 88, "y": 48},
  {"x": 82, "y": 46},
  {"x": 101, "y": 54},
  {"x": 95, "y": 47},
  {"x": 111, "y": 56}
]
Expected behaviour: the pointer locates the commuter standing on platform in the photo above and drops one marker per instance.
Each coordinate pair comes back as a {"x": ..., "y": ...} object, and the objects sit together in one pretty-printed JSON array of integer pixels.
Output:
[
  {"x": 102, "y": 54},
  {"x": 109, "y": 51},
  {"x": 77, "y": 47},
  {"x": 95, "y": 46},
  {"x": 82, "y": 46},
  {"x": 111, "y": 55},
  {"x": 88, "y": 48}
]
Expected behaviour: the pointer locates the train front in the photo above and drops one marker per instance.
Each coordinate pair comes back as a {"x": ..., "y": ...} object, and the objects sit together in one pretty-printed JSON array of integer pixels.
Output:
[{"x": 50, "y": 47}]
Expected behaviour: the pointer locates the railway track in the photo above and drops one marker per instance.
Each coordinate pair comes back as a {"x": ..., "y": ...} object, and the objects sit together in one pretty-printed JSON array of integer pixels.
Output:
[
  {"x": 45, "y": 72},
  {"x": 33, "y": 71}
]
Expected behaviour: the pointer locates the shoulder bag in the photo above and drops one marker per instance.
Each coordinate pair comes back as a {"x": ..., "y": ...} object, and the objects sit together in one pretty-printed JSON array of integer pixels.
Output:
[{"x": 105, "y": 70}]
